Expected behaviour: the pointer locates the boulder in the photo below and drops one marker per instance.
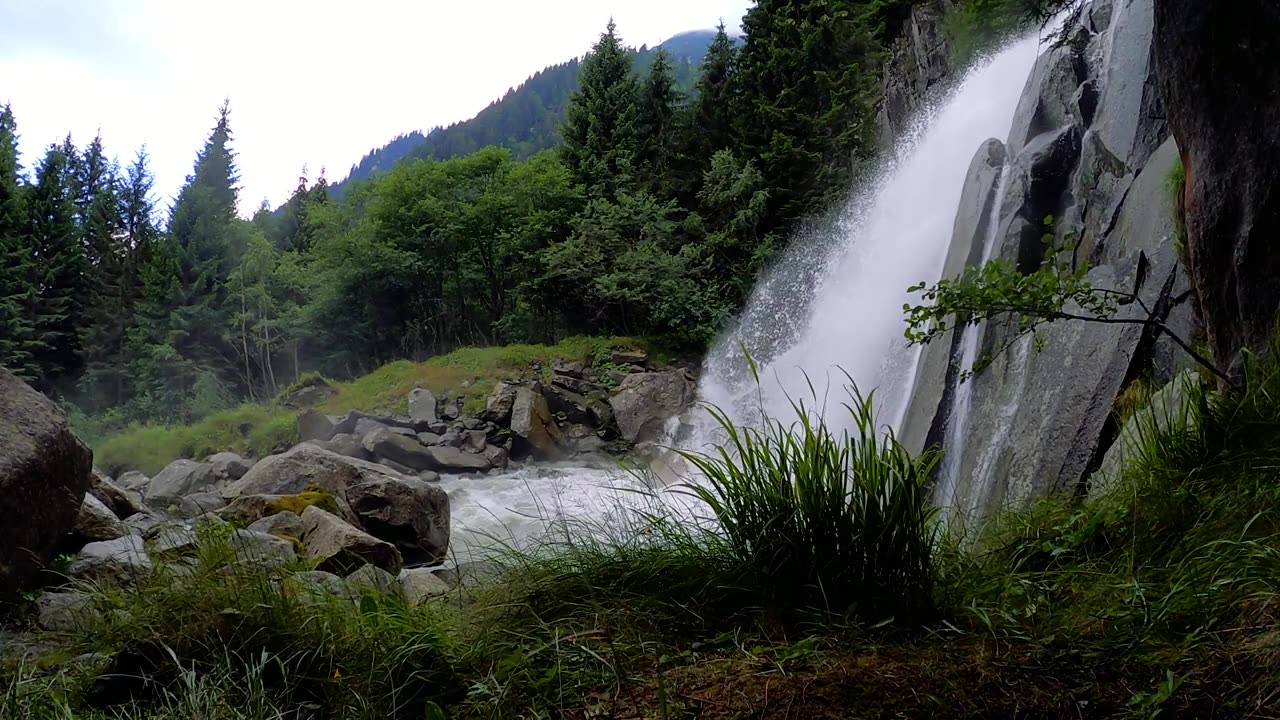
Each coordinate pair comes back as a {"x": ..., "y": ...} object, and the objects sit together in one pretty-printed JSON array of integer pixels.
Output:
[
  {"x": 629, "y": 356},
  {"x": 1169, "y": 408},
  {"x": 533, "y": 423},
  {"x": 309, "y": 392},
  {"x": 262, "y": 550},
  {"x": 393, "y": 465},
  {"x": 410, "y": 513},
  {"x": 228, "y": 466},
  {"x": 66, "y": 612},
  {"x": 497, "y": 408},
  {"x": 96, "y": 522},
  {"x": 123, "y": 503},
  {"x": 645, "y": 401},
  {"x": 365, "y": 426},
  {"x": 134, "y": 481},
  {"x": 578, "y": 409},
  {"x": 174, "y": 540},
  {"x": 420, "y": 584},
  {"x": 344, "y": 444},
  {"x": 497, "y": 456},
  {"x": 143, "y": 523},
  {"x": 44, "y": 473},
  {"x": 568, "y": 368},
  {"x": 406, "y": 451},
  {"x": 315, "y": 425},
  {"x": 290, "y": 472},
  {"x": 1218, "y": 75},
  {"x": 341, "y": 548},
  {"x": 285, "y": 524},
  {"x": 197, "y": 504},
  {"x": 453, "y": 460},
  {"x": 312, "y": 585},
  {"x": 430, "y": 438},
  {"x": 422, "y": 405},
  {"x": 375, "y": 580},
  {"x": 179, "y": 479},
  {"x": 474, "y": 441},
  {"x": 121, "y": 561}
]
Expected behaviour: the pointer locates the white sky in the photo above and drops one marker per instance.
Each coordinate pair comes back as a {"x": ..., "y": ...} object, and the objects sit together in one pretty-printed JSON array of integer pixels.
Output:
[{"x": 318, "y": 83}]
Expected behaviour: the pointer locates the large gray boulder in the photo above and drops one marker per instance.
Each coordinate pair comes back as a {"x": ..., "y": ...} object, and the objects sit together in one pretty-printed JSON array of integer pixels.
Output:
[
  {"x": 262, "y": 550},
  {"x": 121, "y": 561},
  {"x": 341, "y": 548},
  {"x": 406, "y": 451},
  {"x": 44, "y": 473},
  {"x": 197, "y": 504},
  {"x": 283, "y": 524},
  {"x": 535, "y": 426},
  {"x": 134, "y": 480},
  {"x": 410, "y": 513},
  {"x": 71, "y": 611},
  {"x": 179, "y": 479},
  {"x": 420, "y": 585},
  {"x": 645, "y": 401},
  {"x": 373, "y": 579},
  {"x": 422, "y": 405}
]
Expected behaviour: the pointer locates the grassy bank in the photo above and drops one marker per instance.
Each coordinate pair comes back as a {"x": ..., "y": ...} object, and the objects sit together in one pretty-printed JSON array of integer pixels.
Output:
[
  {"x": 255, "y": 429},
  {"x": 815, "y": 588}
]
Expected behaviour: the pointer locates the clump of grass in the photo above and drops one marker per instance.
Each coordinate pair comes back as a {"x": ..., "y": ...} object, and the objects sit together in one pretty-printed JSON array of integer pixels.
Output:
[
  {"x": 311, "y": 495},
  {"x": 1135, "y": 395},
  {"x": 837, "y": 522},
  {"x": 1175, "y": 186}
]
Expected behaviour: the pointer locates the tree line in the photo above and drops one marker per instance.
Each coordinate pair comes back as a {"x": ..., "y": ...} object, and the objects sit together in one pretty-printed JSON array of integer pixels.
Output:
[{"x": 652, "y": 216}]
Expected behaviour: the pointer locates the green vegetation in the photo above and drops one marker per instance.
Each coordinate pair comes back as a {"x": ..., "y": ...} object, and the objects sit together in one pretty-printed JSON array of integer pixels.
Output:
[
  {"x": 258, "y": 430},
  {"x": 1158, "y": 598},
  {"x": 312, "y": 495},
  {"x": 977, "y": 26}
]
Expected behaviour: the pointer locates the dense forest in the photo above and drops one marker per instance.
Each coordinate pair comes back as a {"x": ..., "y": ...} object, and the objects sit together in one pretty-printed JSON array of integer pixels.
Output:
[
  {"x": 527, "y": 119},
  {"x": 652, "y": 216}
]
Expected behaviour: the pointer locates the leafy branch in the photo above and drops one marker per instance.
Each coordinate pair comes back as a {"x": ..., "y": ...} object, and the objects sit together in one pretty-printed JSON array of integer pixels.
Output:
[{"x": 1056, "y": 291}]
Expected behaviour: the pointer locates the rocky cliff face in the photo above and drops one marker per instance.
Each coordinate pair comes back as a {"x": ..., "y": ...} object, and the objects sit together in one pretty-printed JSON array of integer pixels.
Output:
[
  {"x": 1089, "y": 147},
  {"x": 1219, "y": 69},
  {"x": 917, "y": 67}
]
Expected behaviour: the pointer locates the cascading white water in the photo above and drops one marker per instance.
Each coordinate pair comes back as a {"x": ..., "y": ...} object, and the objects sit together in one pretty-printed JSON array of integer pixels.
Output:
[
  {"x": 892, "y": 234},
  {"x": 833, "y": 302}
]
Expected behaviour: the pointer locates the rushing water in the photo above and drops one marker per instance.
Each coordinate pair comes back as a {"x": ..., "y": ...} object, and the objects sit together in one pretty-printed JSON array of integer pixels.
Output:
[{"x": 831, "y": 305}]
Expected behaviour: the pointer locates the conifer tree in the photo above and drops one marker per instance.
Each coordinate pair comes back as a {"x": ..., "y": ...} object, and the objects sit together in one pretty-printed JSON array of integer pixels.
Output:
[
  {"x": 599, "y": 135},
  {"x": 17, "y": 289},
  {"x": 656, "y": 125},
  {"x": 709, "y": 123},
  {"x": 59, "y": 269}
]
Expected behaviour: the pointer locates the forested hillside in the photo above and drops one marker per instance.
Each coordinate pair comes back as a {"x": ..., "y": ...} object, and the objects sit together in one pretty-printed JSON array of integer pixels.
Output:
[
  {"x": 527, "y": 118},
  {"x": 651, "y": 218}
]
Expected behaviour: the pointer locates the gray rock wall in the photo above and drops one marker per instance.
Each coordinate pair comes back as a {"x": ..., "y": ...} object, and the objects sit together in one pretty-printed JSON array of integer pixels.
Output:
[
  {"x": 918, "y": 65},
  {"x": 1089, "y": 146}
]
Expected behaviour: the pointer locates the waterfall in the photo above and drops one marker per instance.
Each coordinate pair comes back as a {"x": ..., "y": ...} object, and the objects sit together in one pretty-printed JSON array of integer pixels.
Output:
[{"x": 832, "y": 304}]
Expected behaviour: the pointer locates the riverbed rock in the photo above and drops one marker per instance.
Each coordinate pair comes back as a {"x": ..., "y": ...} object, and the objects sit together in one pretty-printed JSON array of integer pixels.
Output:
[
  {"x": 283, "y": 524},
  {"x": 69, "y": 611},
  {"x": 123, "y": 503},
  {"x": 315, "y": 425},
  {"x": 645, "y": 401},
  {"x": 121, "y": 561},
  {"x": 1218, "y": 75},
  {"x": 629, "y": 356},
  {"x": 410, "y": 513},
  {"x": 534, "y": 425},
  {"x": 341, "y": 548},
  {"x": 497, "y": 408},
  {"x": 262, "y": 550},
  {"x": 228, "y": 466},
  {"x": 421, "y": 584},
  {"x": 133, "y": 480},
  {"x": 453, "y": 460},
  {"x": 406, "y": 451},
  {"x": 372, "y": 579},
  {"x": 96, "y": 522},
  {"x": 422, "y": 405},
  {"x": 577, "y": 408},
  {"x": 344, "y": 444},
  {"x": 197, "y": 504},
  {"x": 311, "y": 586},
  {"x": 179, "y": 479},
  {"x": 44, "y": 473},
  {"x": 310, "y": 392}
]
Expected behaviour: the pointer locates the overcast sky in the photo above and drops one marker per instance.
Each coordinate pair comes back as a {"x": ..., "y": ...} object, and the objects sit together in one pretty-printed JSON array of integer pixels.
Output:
[{"x": 317, "y": 83}]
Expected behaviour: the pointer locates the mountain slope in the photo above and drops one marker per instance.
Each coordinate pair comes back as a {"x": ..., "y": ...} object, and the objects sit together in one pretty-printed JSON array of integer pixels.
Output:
[{"x": 526, "y": 119}]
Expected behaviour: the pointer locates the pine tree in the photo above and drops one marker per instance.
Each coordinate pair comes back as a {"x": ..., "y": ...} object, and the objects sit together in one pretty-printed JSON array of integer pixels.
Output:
[
  {"x": 17, "y": 289},
  {"x": 656, "y": 110},
  {"x": 59, "y": 270},
  {"x": 598, "y": 139},
  {"x": 709, "y": 122},
  {"x": 202, "y": 226}
]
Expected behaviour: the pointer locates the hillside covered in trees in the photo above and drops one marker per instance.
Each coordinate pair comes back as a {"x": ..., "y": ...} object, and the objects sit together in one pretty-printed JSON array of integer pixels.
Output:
[
  {"x": 526, "y": 119},
  {"x": 651, "y": 217}
]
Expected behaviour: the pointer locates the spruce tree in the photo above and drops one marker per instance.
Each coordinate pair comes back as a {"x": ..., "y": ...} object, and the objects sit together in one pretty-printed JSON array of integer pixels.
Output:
[
  {"x": 17, "y": 287},
  {"x": 59, "y": 269},
  {"x": 202, "y": 226},
  {"x": 709, "y": 123},
  {"x": 656, "y": 110},
  {"x": 598, "y": 139}
]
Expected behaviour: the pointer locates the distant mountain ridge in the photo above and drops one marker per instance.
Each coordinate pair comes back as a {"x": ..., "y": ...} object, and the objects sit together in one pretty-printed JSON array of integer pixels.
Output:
[{"x": 526, "y": 119}]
